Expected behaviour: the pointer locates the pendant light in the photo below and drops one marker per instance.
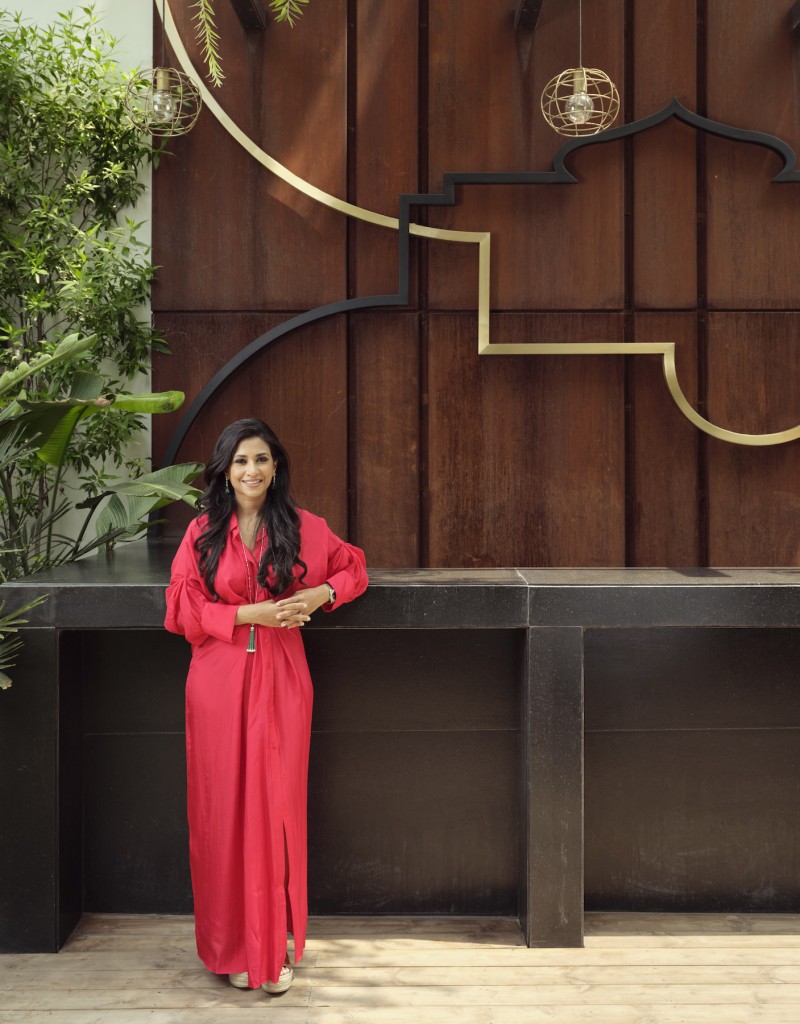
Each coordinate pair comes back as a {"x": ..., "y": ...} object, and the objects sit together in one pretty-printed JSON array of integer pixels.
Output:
[
  {"x": 163, "y": 101},
  {"x": 580, "y": 101}
]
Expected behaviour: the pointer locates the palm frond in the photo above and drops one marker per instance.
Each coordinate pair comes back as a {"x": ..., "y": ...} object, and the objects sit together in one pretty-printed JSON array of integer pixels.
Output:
[{"x": 10, "y": 645}]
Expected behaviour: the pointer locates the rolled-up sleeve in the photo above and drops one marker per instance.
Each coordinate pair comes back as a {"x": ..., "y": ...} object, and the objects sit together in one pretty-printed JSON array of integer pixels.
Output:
[{"x": 347, "y": 570}]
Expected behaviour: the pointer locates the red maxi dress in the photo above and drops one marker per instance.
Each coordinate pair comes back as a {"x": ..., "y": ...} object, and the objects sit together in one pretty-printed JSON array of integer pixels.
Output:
[{"x": 248, "y": 729}]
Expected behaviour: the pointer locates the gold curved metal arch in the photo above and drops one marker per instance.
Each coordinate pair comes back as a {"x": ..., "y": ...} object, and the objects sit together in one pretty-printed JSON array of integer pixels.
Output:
[
  {"x": 667, "y": 352},
  {"x": 280, "y": 171},
  {"x": 483, "y": 240},
  {"x": 670, "y": 373}
]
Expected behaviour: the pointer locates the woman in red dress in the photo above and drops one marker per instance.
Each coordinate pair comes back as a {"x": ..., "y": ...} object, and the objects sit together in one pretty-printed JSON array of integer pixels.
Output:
[{"x": 250, "y": 569}]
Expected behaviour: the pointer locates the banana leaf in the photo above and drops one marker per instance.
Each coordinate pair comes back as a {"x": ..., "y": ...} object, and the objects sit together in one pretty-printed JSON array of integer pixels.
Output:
[
  {"x": 68, "y": 348},
  {"x": 160, "y": 401},
  {"x": 54, "y": 422},
  {"x": 132, "y": 501}
]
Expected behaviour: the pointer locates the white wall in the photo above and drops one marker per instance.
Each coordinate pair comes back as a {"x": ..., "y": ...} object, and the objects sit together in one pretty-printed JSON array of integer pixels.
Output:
[{"x": 131, "y": 23}]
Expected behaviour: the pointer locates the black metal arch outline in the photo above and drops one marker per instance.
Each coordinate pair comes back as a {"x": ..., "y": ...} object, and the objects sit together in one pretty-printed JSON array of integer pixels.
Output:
[{"x": 560, "y": 175}]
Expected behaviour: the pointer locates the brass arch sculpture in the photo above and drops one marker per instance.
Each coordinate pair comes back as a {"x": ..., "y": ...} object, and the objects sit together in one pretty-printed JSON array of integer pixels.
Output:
[{"x": 559, "y": 175}]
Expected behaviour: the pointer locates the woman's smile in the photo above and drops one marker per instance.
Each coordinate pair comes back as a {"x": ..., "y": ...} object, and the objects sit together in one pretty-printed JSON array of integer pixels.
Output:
[{"x": 251, "y": 471}]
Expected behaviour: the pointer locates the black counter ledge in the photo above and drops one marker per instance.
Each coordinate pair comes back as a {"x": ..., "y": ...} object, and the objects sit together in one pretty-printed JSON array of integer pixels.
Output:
[
  {"x": 125, "y": 590},
  {"x": 137, "y": 574},
  {"x": 485, "y": 741},
  {"x": 618, "y": 598}
]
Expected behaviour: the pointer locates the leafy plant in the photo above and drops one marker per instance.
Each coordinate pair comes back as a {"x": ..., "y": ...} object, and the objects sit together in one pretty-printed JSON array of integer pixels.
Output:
[
  {"x": 70, "y": 260},
  {"x": 208, "y": 37},
  {"x": 73, "y": 278},
  {"x": 32, "y": 538},
  {"x": 10, "y": 645},
  {"x": 287, "y": 10}
]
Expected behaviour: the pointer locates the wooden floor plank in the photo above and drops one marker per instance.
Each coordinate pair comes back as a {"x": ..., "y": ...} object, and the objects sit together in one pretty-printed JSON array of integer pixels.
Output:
[
  {"x": 553, "y": 995},
  {"x": 788, "y": 942},
  {"x": 401, "y": 996},
  {"x": 575, "y": 1014},
  {"x": 112, "y": 1001},
  {"x": 698, "y": 924},
  {"x": 466, "y": 958},
  {"x": 516, "y": 959},
  {"x": 635, "y": 969},
  {"x": 416, "y": 976},
  {"x": 142, "y": 960}
]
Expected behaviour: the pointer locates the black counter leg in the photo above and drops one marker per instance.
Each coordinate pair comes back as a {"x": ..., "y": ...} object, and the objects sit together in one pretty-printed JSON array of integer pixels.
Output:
[
  {"x": 551, "y": 735},
  {"x": 28, "y": 800}
]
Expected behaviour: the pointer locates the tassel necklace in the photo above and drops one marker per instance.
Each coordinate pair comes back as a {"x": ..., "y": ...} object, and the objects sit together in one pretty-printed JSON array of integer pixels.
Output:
[{"x": 252, "y": 586}]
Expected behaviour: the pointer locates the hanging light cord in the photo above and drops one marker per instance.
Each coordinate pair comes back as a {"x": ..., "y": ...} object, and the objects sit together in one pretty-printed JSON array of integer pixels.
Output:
[
  {"x": 580, "y": 33},
  {"x": 163, "y": 33}
]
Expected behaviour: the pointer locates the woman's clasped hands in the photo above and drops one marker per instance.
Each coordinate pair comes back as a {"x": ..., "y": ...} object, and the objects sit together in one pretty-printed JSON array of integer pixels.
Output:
[{"x": 288, "y": 612}]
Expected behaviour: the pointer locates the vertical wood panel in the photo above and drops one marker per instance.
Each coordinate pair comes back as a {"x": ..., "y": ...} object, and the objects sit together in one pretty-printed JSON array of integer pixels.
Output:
[
  {"x": 754, "y": 386},
  {"x": 385, "y": 355},
  {"x": 236, "y": 237},
  {"x": 666, "y": 524},
  {"x": 752, "y": 62},
  {"x": 665, "y": 172},
  {"x": 536, "y": 442},
  {"x": 486, "y": 81},
  {"x": 485, "y": 116},
  {"x": 525, "y": 453},
  {"x": 753, "y": 225},
  {"x": 298, "y": 386},
  {"x": 664, "y": 40},
  {"x": 553, "y": 246},
  {"x": 665, "y": 218},
  {"x": 386, "y": 134}
]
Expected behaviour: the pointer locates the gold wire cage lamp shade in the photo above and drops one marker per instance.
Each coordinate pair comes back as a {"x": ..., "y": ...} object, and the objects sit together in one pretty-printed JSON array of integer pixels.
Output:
[
  {"x": 580, "y": 101},
  {"x": 163, "y": 101}
]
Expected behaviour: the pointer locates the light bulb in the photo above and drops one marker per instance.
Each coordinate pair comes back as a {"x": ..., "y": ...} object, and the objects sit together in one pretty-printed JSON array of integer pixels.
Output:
[
  {"x": 579, "y": 107},
  {"x": 164, "y": 104}
]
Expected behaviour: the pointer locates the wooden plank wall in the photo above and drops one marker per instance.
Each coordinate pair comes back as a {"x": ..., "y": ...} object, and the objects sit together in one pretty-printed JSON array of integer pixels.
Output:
[{"x": 406, "y": 439}]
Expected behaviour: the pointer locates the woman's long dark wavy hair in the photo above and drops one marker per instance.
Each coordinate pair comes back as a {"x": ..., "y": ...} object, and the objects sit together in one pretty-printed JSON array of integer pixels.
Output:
[{"x": 278, "y": 515}]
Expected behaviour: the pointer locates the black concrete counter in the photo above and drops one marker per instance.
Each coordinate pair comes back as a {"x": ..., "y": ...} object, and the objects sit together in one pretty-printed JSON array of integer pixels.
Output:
[
  {"x": 462, "y": 720},
  {"x": 442, "y": 598}
]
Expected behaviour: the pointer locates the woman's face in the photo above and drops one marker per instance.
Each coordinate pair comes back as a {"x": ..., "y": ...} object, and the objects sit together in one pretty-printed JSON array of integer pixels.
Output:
[{"x": 251, "y": 471}]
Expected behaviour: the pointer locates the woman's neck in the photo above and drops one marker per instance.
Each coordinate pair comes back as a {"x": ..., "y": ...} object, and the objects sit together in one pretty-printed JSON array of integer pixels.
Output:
[{"x": 249, "y": 520}]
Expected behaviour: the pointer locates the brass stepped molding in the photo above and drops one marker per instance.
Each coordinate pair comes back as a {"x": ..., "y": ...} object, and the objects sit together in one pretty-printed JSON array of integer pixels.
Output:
[{"x": 560, "y": 175}]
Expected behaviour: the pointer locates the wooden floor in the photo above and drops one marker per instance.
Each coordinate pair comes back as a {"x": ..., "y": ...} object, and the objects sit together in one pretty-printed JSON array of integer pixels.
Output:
[{"x": 635, "y": 969}]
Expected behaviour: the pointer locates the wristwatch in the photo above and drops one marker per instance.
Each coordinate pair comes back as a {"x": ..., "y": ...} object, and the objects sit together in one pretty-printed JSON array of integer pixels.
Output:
[{"x": 332, "y": 592}]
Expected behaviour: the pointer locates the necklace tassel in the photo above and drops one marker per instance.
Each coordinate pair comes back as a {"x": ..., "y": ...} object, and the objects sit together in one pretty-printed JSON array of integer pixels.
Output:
[{"x": 251, "y": 643}]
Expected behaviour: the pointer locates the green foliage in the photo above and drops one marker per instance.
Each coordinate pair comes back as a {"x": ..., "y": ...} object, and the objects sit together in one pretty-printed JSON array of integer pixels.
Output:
[
  {"x": 38, "y": 434},
  {"x": 10, "y": 644},
  {"x": 287, "y": 10},
  {"x": 70, "y": 261},
  {"x": 208, "y": 37},
  {"x": 73, "y": 279}
]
